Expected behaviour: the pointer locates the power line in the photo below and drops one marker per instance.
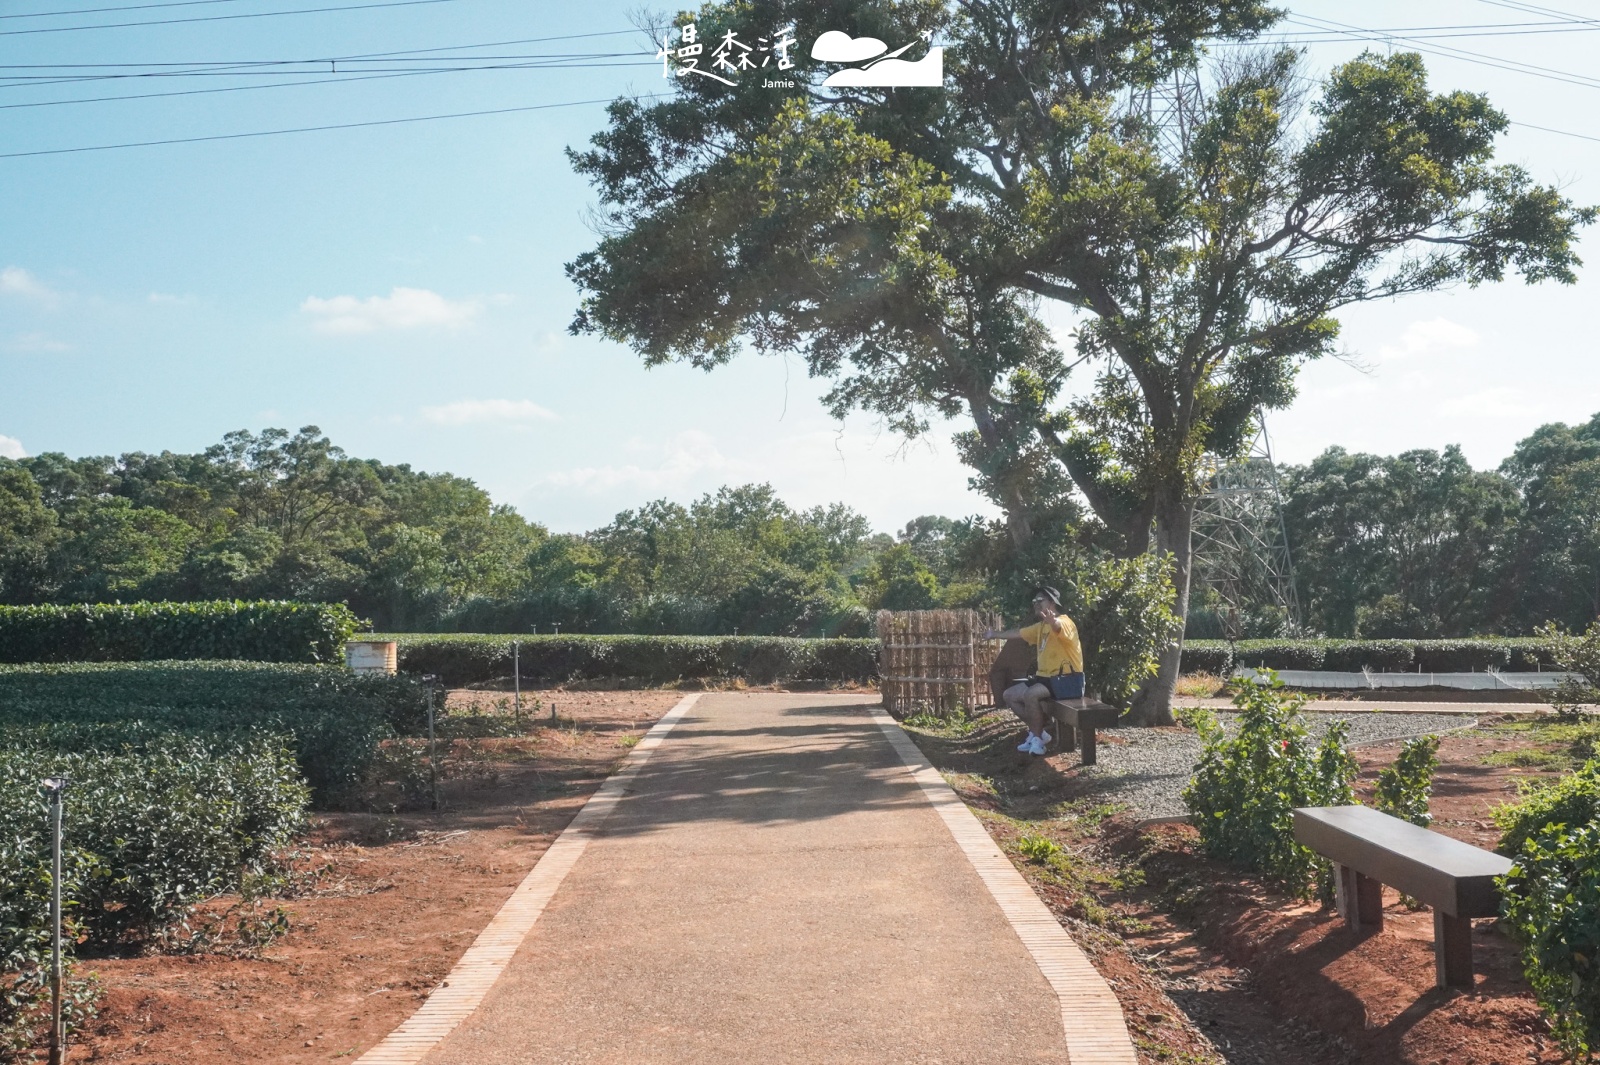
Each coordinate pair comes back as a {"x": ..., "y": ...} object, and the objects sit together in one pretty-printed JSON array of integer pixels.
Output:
[
  {"x": 353, "y": 57},
  {"x": 1357, "y": 31},
  {"x": 1311, "y": 36},
  {"x": 316, "y": 81},
  {"x": 275, "y": 66},
  {"x": 510, "y": 62},
  {"x": 220, "y": 18},
  {"x": 1535, "y": 9},
  {"x": 135, "y": 7},
  {"x": 102, "y": 10},
  {"x": 315, "y": 129},
  {"x": 1562, "y": 132},
  {"x": 1449, "y": 52}
]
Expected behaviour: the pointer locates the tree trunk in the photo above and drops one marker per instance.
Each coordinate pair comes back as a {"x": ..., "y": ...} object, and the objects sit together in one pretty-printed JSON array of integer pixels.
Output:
[
  {"x": 1152, "y": 704},
  {"x": 1012, "y": 502}
]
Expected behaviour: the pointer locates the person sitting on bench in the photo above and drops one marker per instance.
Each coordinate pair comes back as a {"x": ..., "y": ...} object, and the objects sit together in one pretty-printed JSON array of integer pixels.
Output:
[{"x": 1059, "y": 670}]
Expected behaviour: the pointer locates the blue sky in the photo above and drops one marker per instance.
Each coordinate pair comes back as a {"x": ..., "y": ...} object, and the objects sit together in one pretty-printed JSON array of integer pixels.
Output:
[{"x": 401, "y": 286}]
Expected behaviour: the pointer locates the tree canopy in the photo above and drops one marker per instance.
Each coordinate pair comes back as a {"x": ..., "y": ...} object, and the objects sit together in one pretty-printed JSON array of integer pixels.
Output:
[{"x": 902, "y": 240}]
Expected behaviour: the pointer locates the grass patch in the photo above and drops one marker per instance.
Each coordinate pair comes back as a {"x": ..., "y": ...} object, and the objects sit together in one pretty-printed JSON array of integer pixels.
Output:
[
  {"x": 1528, "y": 758},
  {"x": 1200, "y": 685},
  {"x": 1039, "y": 850},
  {"x": 951, "y": 725}
]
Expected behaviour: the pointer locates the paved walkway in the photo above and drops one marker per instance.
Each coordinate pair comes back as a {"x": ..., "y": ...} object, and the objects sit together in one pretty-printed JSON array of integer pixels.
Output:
[{"x": 774, "y": 885}]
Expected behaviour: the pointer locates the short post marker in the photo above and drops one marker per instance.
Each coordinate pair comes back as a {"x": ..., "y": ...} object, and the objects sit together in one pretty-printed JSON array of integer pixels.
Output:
[
  {"x": 516, "y": 679},
  {"x": 433, "y": 759},
  {"x": 56, "y": 788}
]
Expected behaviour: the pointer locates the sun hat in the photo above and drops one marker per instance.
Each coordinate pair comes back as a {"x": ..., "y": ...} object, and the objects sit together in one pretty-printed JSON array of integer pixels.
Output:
[{"x": 1044, "y": 591}]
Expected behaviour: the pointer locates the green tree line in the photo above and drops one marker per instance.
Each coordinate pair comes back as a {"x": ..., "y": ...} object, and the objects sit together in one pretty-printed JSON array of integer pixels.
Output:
[{"x": 1417, "y": 544}]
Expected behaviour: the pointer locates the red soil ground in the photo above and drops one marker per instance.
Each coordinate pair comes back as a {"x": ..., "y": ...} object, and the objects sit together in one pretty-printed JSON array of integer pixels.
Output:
[
  {"x": 401, "y": 897},
  {"x": 1265, "y": 978},
  {"x": 1209, "y": 965}
]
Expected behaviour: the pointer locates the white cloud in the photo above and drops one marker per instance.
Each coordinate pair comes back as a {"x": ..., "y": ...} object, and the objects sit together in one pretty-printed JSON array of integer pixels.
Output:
[
  {"x": 402, "y": 308},
  {"x": 1498, "y": 402},
  {"x": 1436, "y": 336},
  {"x": 11, "y": 448},
  {"x": 688, "y": 454},
  {"x": 15, "y": 281},
  {"x": 35, "y": 344},
  {"x": 480, "y": 411}
]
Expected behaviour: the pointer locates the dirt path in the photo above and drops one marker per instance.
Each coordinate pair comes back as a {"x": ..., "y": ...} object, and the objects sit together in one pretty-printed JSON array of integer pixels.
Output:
[{"x": 774, "y": 887}]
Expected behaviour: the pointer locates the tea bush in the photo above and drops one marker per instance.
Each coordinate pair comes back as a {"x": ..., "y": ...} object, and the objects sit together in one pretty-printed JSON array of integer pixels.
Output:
[
  {"x": 1573, "y": 799},
  {"x": 473, "y": 658},
  {"x": 1552, "y": 907},
  {"x": 154, "y": 823},
  {"x": 265, "y": 631},
  {"x": 1520, "y": 653},
  {"x": 333, "y": 719},
  {"x": 1405, "y": 785},
  {"x": 1246, "y": 786}
]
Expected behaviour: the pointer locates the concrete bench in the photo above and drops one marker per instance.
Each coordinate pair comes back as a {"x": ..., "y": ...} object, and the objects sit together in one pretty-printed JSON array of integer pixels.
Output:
[
  {"x": 1074, "y": 716},
  {"x": 1370, "y": 849}
]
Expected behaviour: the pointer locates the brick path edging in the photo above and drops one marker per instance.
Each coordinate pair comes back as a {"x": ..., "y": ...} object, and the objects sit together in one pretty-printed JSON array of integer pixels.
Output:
[
  {"x": 1091, "y": 1016},
  {"x": 470, "y": 980}
]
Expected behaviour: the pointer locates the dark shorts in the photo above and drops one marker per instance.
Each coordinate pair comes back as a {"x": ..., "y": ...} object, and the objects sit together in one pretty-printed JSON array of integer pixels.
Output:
[{"x": 1063, "y": 686}]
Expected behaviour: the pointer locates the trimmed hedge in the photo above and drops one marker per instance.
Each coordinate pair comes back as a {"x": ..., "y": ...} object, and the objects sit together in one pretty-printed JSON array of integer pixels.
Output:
[
  {"x": 267, "y": 631},
  {"x": 155, "y": 823},
  {"x": 333, "y": 719},
  {"x": 1522, "y": 653},
  {"x": 472, "y": 658}
]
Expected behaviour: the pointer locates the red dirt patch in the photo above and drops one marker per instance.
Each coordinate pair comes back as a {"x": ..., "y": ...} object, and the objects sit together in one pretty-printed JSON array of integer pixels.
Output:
[
  {"x": 402, "y": 897},
  {"x": 1244, "y": 971}
]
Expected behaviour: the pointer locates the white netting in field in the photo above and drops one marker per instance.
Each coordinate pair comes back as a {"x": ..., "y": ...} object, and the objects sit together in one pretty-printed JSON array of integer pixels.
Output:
[{"x": 1344, "y": 681}]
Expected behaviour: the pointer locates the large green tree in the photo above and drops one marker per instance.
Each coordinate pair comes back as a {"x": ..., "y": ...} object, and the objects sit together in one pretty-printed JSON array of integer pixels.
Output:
[
  {"x": 902, "y": 240},
  {"x": 1557, "y": 572},
  {"x": 1411, "y": 545}
]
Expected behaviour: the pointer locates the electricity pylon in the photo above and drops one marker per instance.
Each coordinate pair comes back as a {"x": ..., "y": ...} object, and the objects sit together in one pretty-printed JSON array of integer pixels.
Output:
[{"x": 1241, "y": 543}]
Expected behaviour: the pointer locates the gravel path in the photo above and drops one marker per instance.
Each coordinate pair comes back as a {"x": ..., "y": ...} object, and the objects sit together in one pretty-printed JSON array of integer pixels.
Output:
[{"x": 1147, "y": 769}]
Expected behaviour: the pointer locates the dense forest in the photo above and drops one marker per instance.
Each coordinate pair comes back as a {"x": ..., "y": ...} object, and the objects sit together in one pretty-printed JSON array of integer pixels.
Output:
[{"x": 1417, "y": 544}]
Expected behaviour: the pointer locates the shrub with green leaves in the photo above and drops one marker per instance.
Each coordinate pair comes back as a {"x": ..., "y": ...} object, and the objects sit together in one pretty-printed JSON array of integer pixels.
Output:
[
  {"x": 268, "y": 631},
  {"x": 154, "y": 823},
  {"x": 1123, "y": 610},
  {"x": 1578, "y": 654},
  {"x": 1552, "y": 907},
  {"x": 476, "y": 658},
  {"x": 334, "y": 719},
  {"x": 1405, "y": 785},
  {"x": 1246, "y": 786},
  {"x": 1571, "y": 800}
]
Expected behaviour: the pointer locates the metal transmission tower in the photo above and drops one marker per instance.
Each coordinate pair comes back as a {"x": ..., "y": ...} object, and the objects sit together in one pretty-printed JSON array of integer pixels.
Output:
[
  {"x": 1173, "y": 108},
  {"x": 1241, "y": 544}
]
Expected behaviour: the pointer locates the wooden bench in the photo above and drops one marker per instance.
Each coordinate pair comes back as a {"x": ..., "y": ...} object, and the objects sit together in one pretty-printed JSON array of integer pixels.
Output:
[
  {"x": 1073, "y": 716},
  {"x": 1370, "y": 849}
]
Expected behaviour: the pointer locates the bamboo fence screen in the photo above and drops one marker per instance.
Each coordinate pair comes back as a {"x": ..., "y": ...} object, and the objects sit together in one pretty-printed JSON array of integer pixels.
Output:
[{"x": 935, "y": 660}]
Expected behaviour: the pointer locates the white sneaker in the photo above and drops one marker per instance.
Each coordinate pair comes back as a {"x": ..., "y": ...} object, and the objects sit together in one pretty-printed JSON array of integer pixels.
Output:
[
  {"x": 1026, "y": 746},
  {"x": 1035, "y": 745}
]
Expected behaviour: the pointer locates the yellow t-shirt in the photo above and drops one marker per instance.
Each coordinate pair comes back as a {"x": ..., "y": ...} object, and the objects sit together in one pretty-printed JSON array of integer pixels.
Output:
[{"x": 1059, "y": 649}]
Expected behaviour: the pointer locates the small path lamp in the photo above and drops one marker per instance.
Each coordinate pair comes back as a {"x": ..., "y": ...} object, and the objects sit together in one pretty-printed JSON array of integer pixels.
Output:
[{"x": 55, "y": 788}]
